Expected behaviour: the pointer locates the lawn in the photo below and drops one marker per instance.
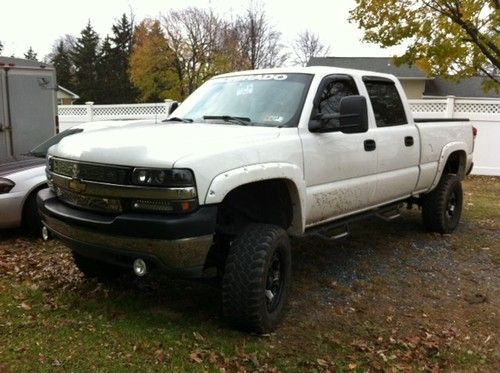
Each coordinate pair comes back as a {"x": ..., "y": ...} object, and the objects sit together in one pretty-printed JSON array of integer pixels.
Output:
[{"x": 390, "y": 297}]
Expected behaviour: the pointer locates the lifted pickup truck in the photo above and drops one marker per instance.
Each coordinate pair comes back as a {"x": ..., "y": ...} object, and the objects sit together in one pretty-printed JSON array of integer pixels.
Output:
[{"x": 248, "y": 160}]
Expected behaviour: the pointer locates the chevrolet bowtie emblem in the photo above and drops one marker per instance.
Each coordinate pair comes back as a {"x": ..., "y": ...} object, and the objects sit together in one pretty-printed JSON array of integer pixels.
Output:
[{"x": 75, "y": 171}]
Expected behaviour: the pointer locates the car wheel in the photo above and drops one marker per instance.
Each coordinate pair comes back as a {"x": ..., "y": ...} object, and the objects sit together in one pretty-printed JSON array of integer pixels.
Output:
[
  {"x": 442, "y": 207},
  {"x": 257, "y": 278},
  {"x": 31, "y": 218}
]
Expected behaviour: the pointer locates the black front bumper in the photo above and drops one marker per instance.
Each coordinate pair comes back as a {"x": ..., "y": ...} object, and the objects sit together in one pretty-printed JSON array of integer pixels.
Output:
[{"x": 177, "y": 243}]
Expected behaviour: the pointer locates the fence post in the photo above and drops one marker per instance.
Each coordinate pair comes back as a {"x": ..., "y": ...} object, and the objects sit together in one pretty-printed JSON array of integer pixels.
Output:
[
  {"x": 90, "y": 112},
  {"x": 450, "y": 106}
]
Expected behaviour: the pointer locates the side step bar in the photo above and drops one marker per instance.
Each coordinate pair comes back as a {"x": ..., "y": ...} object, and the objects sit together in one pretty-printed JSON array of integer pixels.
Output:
[{"x": 340, "y": 228}]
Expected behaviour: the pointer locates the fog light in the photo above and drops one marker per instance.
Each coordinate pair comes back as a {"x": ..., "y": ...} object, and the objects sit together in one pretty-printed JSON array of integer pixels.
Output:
[
  {"x": 45, "y": 233},
  {"x": 140, "y": 268}
]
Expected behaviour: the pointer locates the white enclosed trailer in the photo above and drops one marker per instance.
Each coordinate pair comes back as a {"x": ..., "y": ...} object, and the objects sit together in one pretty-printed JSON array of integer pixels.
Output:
[{"x": 28, "y": 105}]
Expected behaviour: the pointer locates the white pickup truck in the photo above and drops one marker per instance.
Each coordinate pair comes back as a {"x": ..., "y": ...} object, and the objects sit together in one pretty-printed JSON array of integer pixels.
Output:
[{"x": 249, "y": 159}]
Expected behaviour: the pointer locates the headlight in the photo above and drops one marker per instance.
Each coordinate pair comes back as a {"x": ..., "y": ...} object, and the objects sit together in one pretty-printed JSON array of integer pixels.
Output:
[
  {"x": 6, "y": 185},
  {"x": 162, "y": 178}
]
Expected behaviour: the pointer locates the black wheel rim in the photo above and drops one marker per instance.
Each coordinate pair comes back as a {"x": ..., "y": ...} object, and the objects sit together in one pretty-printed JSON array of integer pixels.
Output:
[
  {"x": 452, "y": 206},
  {"x": 274, "y": 282}
]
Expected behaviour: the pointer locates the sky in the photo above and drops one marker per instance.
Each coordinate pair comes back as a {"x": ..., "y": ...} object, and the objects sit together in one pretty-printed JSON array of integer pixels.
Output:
[{"x": 25, "y": 23}]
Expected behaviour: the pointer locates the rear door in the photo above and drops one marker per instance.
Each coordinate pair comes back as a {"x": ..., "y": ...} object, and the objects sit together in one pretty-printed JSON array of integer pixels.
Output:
[
  {"x": 32, "y": 103},
  {"x": 398, "y": 147}
]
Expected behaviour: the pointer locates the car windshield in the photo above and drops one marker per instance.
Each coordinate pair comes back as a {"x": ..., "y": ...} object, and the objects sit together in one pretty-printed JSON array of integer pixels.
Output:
[
  {"x": 272, "y": 100},
  {"x": 41, "y": 150}
]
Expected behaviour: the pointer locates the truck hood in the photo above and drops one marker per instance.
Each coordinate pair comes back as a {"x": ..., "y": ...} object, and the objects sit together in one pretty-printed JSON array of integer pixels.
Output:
[{"x": 149, "y": 144}]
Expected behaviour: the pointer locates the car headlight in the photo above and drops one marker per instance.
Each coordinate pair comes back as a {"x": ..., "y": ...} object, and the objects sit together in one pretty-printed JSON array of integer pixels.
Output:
[
  {"x": 6, "y": 185},
  {"x": 162, "y": 177}
]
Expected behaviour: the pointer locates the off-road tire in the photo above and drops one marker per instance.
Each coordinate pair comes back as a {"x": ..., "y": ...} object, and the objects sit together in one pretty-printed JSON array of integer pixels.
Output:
[
  {"x": 103, "y": 272},
  {"x": 442, "y": 207},
  {"x": 31, "y": 218},
  {"x": 252, "y": 256}
]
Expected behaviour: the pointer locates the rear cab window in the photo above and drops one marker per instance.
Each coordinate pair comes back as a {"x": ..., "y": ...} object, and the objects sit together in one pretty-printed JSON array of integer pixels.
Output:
[{"x": 386, "y": 103}]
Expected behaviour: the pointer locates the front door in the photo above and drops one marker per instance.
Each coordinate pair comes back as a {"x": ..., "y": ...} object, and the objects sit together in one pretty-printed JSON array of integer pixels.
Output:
[{"x": 340, "y": 168}]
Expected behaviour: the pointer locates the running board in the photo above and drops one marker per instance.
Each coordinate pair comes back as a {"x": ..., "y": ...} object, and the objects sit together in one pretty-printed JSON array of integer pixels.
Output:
[
  {"x": 332, "y": 233},
  {"x": 389, "y": 215},
  {"x": 340, "y": 228}
]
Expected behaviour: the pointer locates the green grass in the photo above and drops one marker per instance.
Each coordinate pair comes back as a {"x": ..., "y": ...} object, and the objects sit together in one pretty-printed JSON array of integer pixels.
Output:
[{"x": 51, "y": 319}]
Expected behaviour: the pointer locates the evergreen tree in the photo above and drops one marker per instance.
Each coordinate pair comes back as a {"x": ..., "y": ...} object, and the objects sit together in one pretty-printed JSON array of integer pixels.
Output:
[
  {"x": 106, "y": 74},
  {"x": 62, "y": 62},
  {"x": 31, "y": 55},
  {"x": 123, "y": 90},
  {"x": 85, "y": 58}
]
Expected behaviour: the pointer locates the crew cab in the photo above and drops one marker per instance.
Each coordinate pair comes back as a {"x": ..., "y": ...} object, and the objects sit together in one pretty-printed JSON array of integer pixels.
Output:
[{"x": 248, "y": 160}]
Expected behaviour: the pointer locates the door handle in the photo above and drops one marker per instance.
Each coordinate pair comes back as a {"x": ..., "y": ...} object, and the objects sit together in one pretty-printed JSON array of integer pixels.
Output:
[
  {"x": 370, "y": 145},
  {"x": 409, "y": 140}
]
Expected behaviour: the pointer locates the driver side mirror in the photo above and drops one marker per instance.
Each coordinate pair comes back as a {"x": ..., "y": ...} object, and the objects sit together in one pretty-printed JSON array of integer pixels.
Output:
[
  {"x": 173, "y": 106},
  {"x": 352, "y": 117}
]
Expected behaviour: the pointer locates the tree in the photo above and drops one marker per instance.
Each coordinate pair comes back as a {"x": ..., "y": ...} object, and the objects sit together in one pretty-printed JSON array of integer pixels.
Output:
[
  {"x": 306, "y": 46},
  {"x": 152, "y": 62},
  {"x": 119, "y": 55},
  {"x": 197, "y": 39},
  {"x": 1, "y": 46},
  {"x": 260, "y": 43},
  {"x": 85, "y": 58},
  {"x": 61, "y": 60},
  {"x": 31, "y": 55},
  {"x": 448, "y": 38}
]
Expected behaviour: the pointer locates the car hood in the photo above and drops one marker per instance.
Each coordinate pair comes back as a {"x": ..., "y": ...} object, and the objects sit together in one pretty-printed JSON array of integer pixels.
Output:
[
  {"x": 148, "y": 144},
  {"x": 20, "y": 165}
]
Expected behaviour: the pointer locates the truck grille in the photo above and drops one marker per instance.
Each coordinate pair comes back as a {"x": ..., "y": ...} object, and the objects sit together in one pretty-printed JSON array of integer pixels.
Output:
[
  {"x": 90, "y": 172},
  {"x": 99, "y": 204}
]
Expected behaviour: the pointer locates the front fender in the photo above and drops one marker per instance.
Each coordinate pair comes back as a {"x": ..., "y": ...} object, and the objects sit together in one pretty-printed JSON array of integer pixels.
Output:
[{"x": 227, "y": 181}]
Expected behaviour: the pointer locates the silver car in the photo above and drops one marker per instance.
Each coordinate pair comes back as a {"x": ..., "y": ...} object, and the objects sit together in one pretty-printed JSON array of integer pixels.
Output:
[{"x": 22, "y": 178}]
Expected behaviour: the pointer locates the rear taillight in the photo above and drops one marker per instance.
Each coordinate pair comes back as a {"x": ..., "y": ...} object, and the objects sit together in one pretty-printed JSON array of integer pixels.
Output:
[
  {"x": 57, "y": 123},
  {"x": 474, "y": 132}
]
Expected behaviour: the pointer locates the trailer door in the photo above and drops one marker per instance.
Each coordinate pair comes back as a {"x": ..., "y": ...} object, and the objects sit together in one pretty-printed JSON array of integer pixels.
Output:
[
  {"x": 4, "y": 145},
  {"x": 32, "y": 102}
]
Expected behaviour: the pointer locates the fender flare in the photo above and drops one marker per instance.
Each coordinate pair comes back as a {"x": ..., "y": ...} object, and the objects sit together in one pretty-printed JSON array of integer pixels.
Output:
[
  {"x": 225, "y": 182},
  {"x": 443, "y": 158}
]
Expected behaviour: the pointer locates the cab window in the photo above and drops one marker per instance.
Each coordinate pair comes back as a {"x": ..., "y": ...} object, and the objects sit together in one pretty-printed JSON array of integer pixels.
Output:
[{"x": 386, "y": 102}]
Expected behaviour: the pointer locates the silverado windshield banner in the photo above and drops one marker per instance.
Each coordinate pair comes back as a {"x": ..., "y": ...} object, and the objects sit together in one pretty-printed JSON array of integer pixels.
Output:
[{"x": 240, "y": 78}]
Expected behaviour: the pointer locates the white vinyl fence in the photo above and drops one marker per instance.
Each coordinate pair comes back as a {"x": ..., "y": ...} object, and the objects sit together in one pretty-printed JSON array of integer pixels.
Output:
[
  {"x": 71, "y": 115},
  {"x": 483, "y": 113}
]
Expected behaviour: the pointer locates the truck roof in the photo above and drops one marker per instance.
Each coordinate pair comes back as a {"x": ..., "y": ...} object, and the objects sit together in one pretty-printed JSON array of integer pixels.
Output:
[
  {"x": 321, "y": 70},
  {"x": 13, "y": 62}
]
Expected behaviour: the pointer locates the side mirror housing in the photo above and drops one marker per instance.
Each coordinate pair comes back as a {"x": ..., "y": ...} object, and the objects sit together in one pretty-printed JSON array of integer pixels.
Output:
[
  {"x": 352, "y": 117},
  {"x": 173, "y": 106}
]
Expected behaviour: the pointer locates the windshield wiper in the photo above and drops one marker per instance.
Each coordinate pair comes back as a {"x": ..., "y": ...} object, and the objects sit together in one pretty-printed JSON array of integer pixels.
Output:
[
  {"x": 244, "y": 121},
  {"x": 177, "y": 119}
]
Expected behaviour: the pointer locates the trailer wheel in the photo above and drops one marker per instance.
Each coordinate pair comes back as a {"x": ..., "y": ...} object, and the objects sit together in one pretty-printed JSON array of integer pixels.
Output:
[
  {"x": 442, "y": 207},
  {"x": 257, "y": 278}
]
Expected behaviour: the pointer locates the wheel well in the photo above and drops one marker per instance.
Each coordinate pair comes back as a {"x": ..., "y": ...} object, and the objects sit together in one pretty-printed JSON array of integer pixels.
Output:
[
  {"x": 30, "y": 194},
  {"x": 456, "y": 164},
  {"x": 266, "y": 201}
]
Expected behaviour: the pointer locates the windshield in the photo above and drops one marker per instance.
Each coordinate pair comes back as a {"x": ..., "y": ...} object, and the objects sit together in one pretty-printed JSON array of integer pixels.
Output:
[
  {"x": 41, "y": 150},
  {"x": 273, "y": 100}
]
